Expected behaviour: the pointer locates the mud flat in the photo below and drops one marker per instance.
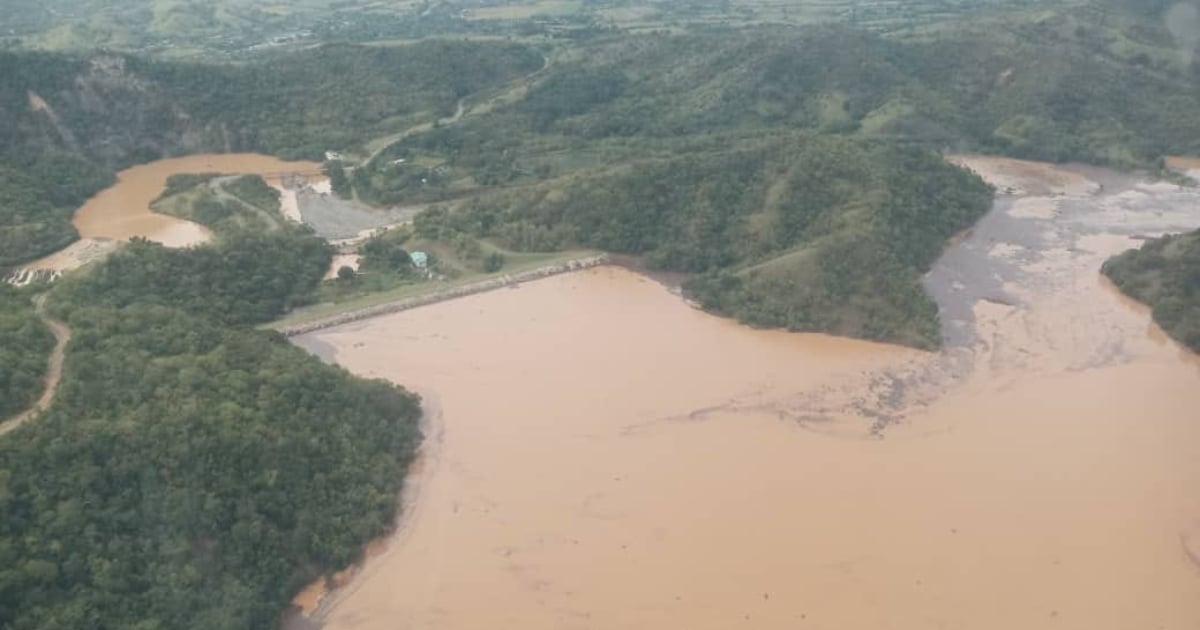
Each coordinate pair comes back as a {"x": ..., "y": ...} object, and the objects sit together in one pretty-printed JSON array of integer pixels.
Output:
[
  {"x": 609, "y": 457},
  {"x": 1022, "y": 177},
  {"x": 1189, "y": 166}
]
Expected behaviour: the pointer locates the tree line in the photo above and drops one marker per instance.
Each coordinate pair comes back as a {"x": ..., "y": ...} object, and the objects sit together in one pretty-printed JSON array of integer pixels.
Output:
[
  {"x": 192, "y": 472},
  {"x": 1165, "y": 274}
]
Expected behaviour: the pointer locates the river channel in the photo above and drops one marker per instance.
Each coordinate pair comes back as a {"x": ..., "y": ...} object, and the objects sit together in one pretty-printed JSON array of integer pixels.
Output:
[
  {"x": 601, "y": 455},
  {"x": 122, "y": 211}
]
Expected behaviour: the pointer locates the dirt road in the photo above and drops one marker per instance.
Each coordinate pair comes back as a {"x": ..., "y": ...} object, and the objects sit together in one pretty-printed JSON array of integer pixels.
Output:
[{"x": 62, "y": 335}]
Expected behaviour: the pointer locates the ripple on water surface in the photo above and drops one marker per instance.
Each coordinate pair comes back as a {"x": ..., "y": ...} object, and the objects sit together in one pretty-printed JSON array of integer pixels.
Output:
[{"x": 605, "y": 456}]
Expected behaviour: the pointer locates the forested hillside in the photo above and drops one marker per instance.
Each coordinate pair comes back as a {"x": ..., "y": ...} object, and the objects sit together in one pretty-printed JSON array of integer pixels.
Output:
[
  {"x": 25, "y": 344},
  {"x": 190, "y": 474},
  {"x": 1046, "y": 90},
  {"x": 1107, "y": 86},
  {"x": 193, "y": 472},
  {"x": 243, "y": 279},
  {"x": 1165, "y": 274},
  {"x": 806, "y": 232},
  {"x": 70, "y": 122}
]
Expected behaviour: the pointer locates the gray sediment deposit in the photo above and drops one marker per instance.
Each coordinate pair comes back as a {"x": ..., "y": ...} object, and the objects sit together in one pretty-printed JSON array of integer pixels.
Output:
[{"x": 334, "y": 218}]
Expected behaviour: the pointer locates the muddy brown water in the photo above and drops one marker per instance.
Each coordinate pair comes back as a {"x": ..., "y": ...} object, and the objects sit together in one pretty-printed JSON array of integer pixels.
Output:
[
  {"x": 122, "y": 211},
  {"x": 601, "y": 455}
]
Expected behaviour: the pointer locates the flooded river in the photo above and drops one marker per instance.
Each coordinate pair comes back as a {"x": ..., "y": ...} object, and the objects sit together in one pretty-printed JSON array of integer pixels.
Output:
[
  {"x": 600, "y": 455},
  {"x": 122, "y": 211}
]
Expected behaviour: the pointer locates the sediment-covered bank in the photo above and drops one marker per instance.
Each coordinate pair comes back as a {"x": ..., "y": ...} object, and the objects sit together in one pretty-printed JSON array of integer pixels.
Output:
[{"x": 585, "y": 447}]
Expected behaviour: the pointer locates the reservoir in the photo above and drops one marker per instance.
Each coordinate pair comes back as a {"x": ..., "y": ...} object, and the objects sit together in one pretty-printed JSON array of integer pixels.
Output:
[
  {"x": 122, "y": 211},
  {"x": 601, "y": 455}
]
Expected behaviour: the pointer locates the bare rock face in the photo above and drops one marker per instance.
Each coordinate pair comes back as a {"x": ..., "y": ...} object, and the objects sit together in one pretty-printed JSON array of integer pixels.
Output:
[{"x": 115, "y": 116}]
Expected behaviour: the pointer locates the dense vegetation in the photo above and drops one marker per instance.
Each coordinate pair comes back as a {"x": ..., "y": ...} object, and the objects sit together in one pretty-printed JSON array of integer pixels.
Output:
[
  {"x": 336, "y": 96},
  {"x": 70, "y": 122},
  {"x": 805, "y": 232},
  {"x": 37, "y": 199},
  {"x": 223, "y": 29},
  {"x": 25, "y": 344},
  {"x": 190, "y": 474},
  {"x": 1102, "y": 81},
  {"x": 243, "y": 279},
  {"x": 230, "y": 205},
  {"x": 1165, "y": 274},
  {"x": 193, "y": 472},
  {"x": 1046, "y": 90}
]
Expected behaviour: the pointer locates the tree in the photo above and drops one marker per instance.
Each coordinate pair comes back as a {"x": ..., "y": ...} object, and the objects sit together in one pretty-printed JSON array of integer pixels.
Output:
[
  {"x": 493, "y": 262},
  {"x": 346, "y": 273},
  {"x": 338, "y": 180}
]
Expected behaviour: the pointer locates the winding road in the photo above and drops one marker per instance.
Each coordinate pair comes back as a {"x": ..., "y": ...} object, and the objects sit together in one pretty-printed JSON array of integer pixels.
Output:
[
  {"x": 515, "y": 88},
  {"x": 62, "y": 334}
]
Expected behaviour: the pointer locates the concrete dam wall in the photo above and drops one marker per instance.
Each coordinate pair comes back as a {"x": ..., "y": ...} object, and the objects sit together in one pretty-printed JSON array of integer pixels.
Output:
[{"x": 449, "y": 293}]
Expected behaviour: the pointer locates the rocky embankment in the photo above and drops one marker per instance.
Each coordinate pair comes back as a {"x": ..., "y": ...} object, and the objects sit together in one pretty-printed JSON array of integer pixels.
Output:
[{"x": 449, "y": 293}]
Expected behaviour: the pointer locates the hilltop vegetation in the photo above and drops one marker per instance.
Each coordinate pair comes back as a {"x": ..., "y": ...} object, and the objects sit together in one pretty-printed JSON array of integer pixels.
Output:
[
  {"x": 1044, "y": 90},
  {"x": 245, "y": 278},
  {"x": 1165, "y": 274},
  {"x": 190, "y": 473},
  {"x": 71, "y": 122},
  {"x": 805, "y": 232},
  {"x": 194, "y": 472},
  {"x": 1099, "y": 82}
]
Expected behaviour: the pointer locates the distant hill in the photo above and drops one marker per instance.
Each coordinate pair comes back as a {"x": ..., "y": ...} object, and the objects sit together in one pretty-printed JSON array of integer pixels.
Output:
[
  {"x": 1023, "y": 89},
  {"x": 194, "y": 472}
]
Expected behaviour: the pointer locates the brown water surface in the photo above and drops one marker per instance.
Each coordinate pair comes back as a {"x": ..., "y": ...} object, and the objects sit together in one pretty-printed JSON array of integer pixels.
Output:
[
  {"x": 600, "y": 455},
  {"x": 122, "y": 211}
]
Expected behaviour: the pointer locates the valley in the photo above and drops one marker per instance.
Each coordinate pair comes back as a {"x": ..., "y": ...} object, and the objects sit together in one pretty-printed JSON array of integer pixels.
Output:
[
  {"x": 563, "y": 483},
  {"x": 556, "y": 314}
]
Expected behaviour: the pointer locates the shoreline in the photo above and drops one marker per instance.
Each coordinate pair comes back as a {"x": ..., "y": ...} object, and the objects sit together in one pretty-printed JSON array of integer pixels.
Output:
[
  {"x": 330, "y": 589},
  {"x": 449, "y": 293}
]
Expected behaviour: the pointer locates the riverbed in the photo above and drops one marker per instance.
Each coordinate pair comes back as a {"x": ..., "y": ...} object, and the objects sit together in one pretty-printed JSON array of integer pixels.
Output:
[
  {"x": 122, "y": 211},
  {"x": 601, "y": 455}
]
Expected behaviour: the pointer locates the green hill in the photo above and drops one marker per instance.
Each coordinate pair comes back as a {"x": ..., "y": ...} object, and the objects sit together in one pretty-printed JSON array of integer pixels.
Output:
[
  {"x": 71, "y": 121},
  {"x": 802, "y": 231},
  {"x": 192, "y": 472},
  {"x": 1164, "y": 274}
]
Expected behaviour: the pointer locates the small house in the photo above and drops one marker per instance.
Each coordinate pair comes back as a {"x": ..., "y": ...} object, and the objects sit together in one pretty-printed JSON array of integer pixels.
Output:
[{"x": 420, "y": 259}]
